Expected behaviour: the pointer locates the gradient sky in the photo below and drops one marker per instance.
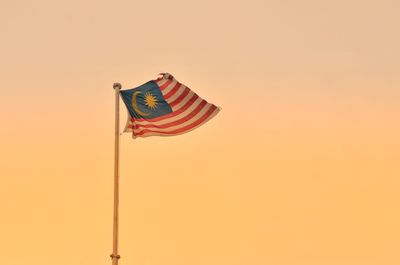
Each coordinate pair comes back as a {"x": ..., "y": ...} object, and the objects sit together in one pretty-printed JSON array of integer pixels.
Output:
[{"x": 301, "y": 166}]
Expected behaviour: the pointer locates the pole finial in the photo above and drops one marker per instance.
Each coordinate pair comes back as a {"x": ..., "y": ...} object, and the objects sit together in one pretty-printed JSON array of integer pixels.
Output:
[{"x": 117, "y": 85}]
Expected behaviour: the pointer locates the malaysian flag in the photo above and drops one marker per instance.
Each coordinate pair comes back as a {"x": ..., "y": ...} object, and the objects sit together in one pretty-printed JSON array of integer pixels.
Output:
[{"x": 165, "y": 107}]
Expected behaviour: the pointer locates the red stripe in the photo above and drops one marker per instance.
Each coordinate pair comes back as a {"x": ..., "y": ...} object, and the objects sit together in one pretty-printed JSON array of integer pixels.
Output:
[
  {"x": 186, "y": 128},
  {"x": 180, "y": 98},
  {"x": 159, "y": 81},
  {"x": 173, "y": 90},
  {"x": 166, "y": 84},
  {"x": 177, "y": 122},
  {"x": 172, "y": 114}
]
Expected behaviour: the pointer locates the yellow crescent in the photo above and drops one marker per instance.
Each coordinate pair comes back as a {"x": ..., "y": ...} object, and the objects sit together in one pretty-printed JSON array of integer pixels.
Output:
[{"x": 135, "y": 106}]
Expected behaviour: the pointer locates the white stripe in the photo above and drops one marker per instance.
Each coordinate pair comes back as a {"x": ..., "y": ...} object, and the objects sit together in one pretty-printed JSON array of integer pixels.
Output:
[
  {"x": 184, "y": 101},
  {"x": 176, "y": 94},
  {"x": 166, "y": 75},
  {"x": 161, "y": 82},
  {"x": 169, "y": 87},
  {"x": 181, "y": 125},
  {"x": 174, "y": 118},
  {"x": 152, "y": 133}
]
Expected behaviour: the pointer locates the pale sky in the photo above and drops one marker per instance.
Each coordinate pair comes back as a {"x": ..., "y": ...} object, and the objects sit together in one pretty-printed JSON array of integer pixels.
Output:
[{"x": 301, "y": 166}]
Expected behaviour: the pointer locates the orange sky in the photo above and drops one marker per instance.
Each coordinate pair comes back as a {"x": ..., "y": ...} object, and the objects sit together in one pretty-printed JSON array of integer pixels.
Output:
[{"x": 301, "y": 166}]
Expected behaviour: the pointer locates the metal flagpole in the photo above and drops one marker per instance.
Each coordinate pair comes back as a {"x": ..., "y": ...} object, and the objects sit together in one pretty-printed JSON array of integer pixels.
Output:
[{"x": 115, "y": 256}]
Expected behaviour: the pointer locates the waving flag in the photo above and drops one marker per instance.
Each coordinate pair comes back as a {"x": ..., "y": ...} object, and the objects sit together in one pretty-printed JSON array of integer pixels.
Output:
[{"x": 165, "y": 107}]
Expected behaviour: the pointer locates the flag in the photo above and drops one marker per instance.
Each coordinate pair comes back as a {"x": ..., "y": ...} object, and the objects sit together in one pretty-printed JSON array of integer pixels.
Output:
[{"x": 165, "y": 107}]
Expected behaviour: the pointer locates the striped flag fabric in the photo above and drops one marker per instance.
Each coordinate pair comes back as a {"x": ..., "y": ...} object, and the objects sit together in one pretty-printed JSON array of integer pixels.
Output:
[{"x": 165, "y": 107}]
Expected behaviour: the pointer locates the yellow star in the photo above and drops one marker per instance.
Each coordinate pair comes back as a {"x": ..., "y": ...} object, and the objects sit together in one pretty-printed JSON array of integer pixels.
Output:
[{"x": 150, "y": 100}]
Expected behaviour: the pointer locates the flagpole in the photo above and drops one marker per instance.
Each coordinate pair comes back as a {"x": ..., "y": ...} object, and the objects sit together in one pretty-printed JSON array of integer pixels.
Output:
[{"x": 115, "y": 256}]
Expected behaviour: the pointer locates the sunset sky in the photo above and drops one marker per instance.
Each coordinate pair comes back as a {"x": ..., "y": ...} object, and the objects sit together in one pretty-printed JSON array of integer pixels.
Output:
[{"x": 301, "y": 166}]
